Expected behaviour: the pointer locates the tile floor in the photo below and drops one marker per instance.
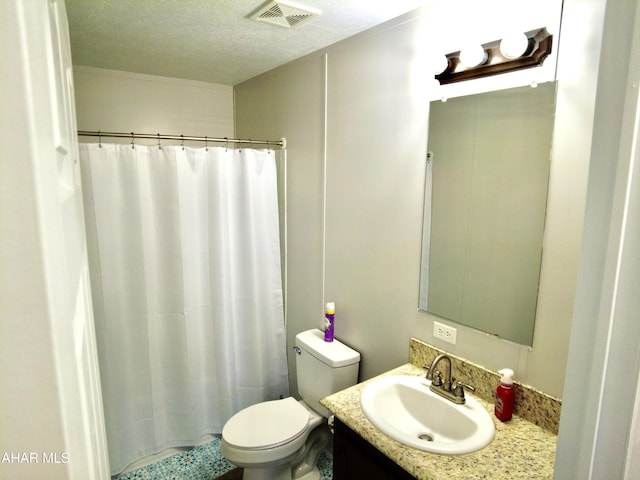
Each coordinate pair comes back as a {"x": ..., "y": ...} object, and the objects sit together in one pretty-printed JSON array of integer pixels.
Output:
[{"x": 204, "y": 462}]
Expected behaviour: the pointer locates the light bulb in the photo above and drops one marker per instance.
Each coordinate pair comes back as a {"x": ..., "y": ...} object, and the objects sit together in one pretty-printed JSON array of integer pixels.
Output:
[
  {"x": 440, "y": 64},
  {"x": 514, "y": 46},
  {"x": 472, "y": 56}
]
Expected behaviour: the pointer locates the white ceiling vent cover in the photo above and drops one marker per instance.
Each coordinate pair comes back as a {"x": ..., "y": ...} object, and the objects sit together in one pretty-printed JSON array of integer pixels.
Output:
[{"x": 283, "y": 14}]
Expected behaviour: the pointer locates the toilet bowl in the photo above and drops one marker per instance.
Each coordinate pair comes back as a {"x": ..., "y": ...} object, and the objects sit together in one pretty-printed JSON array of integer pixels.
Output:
[
  {"x": 266, "y": 432},
  {"x": 268, "y": 437},
  {"x": 282, "y": 439}
]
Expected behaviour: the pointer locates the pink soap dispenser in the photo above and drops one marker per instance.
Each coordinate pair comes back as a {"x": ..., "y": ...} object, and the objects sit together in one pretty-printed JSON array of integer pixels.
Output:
[{"x": 505, "y": 396}]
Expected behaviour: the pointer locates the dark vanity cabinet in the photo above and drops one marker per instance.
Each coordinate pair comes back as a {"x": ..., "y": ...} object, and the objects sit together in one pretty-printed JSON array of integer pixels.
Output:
[{"x": 355, "y": 459}]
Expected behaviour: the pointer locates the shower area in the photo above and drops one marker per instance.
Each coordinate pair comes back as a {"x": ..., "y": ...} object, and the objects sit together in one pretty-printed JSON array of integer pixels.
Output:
[{"x": 186, "y": 254}]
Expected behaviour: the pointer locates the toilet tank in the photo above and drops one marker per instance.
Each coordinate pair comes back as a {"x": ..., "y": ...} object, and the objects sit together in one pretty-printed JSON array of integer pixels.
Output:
[{"x": 323, "y": 368}]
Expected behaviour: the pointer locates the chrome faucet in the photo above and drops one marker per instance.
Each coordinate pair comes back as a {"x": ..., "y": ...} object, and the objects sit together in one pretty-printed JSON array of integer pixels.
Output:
[{"x": 443, "y": 388}]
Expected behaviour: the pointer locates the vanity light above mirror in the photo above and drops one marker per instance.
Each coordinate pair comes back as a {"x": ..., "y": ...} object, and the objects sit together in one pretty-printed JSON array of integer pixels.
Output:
[{"x": 514, "y": 52}]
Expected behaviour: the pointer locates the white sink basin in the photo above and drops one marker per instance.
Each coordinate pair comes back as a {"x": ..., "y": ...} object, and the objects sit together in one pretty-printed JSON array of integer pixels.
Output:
[{"x": 404, "y": 408}]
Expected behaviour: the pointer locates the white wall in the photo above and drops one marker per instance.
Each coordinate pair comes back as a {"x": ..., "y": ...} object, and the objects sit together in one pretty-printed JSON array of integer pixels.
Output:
[
  {"x": 114, "y": 101},
  {"x": 377, "y": 93},
  {"x": 597, "y": 424},
  {"x": 51, "y": 418}
]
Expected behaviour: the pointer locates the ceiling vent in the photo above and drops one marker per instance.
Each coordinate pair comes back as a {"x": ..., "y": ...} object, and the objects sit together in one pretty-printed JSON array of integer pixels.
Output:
[{"x": 283, "y": 14}]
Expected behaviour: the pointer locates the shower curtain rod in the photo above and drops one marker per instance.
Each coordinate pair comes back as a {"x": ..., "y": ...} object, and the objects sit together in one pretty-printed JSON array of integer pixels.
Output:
[{"x": 282, "y": 143}]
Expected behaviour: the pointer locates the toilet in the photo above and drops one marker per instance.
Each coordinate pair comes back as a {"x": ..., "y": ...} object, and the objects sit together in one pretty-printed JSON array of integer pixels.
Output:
[{"x": 282, "y": 439}]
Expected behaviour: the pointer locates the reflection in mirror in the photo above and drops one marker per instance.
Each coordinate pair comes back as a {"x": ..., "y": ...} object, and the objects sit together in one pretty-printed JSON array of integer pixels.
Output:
[{"x": 487, "y": 180}]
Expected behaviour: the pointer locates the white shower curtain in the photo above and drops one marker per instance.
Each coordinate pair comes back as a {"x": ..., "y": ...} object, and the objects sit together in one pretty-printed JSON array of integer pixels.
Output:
[{"x": 185, "y": 268}]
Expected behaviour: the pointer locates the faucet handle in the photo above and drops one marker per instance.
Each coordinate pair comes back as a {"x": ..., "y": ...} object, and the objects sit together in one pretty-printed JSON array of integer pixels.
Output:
[
  {"x": 437, "y": 379},
  {"x": 460, "y": 387}
]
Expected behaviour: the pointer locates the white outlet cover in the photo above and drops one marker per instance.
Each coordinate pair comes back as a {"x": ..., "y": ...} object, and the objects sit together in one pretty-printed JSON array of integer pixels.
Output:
[{"x": 444, "y": 332}]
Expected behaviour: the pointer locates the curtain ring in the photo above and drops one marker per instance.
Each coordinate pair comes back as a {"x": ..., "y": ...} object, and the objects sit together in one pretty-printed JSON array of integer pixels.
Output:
[
  {"x": 226, "y": 144},
  {"x": 132, "y": 141},
  {"x": 159, "y": 144},
  {"x": 99, "y": 138},
  {"x": 206, "y": 145},
  {"x": 182, "y": 141}
]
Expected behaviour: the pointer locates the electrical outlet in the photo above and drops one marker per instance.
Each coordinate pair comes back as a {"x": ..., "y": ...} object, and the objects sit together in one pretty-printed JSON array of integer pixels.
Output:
[{"x": 444, "y": 332}]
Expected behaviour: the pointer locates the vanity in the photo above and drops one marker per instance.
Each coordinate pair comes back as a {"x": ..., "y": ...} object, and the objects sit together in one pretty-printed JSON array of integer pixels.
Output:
[{"x": 523, "y": 448}]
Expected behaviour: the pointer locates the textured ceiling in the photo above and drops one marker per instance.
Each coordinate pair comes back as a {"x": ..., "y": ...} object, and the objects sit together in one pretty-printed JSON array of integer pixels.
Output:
[{"x": 210, "y": 40}]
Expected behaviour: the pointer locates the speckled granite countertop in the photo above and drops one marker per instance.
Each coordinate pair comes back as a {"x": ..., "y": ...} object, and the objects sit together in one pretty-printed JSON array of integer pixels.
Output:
[{"x": 519, "y": 450}]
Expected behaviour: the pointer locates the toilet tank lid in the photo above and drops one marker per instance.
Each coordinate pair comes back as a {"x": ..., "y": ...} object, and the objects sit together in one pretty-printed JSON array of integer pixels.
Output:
[{"x": 334, "y": 354}]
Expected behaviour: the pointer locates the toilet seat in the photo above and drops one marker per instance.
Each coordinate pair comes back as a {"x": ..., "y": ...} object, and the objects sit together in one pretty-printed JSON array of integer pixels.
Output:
[{"x": 266, "y": 425}]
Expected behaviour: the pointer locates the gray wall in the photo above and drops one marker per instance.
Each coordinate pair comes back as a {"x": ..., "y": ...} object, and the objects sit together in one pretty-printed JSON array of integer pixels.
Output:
[
  {"x": 357, "y": 134},
  {"x": 298, "y": 90},
  {"x": 115, "y": 101}
]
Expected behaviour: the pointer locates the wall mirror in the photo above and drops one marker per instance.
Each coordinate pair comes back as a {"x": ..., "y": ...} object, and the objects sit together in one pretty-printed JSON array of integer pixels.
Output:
[{"x": 487, "y": 179}]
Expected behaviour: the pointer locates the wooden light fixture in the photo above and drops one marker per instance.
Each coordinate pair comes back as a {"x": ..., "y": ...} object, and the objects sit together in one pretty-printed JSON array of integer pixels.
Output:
[{"x": 537, "y": 49}]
